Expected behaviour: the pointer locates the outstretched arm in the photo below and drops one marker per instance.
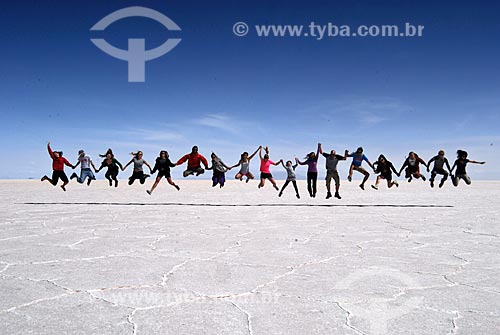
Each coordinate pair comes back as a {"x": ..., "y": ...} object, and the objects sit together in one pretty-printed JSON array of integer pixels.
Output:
[
  {"x": 403, "y": 166},
  {"x": 453, "y": 167},
  {"x": 476, "y": 162},
  {"x": 126, "y": 165},
  {"x": 346, "y": 154},
  {"x": 182, "y": 159},
  {"x": 92, "y": 163},
  {"x": 149, "y": 166},
  {"x": 447, "y": 165},
  {"x": 279, "y": 162},
  {"x": 74, "y": 166},
  {"x": 299, "y": 162},
  {"x": 255, "y": 152},
  {"x": 117, "y": 163}
]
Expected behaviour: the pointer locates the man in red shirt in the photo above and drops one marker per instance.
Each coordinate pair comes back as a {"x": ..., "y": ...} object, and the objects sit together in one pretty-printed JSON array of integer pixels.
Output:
[
  {"x": 194, "y": 160},
  {"x": 58, "y": 162}
]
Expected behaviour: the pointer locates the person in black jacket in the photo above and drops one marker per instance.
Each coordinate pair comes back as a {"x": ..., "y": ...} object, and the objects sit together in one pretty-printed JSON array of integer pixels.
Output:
[
  {"x": 384, "y": 168},
  {"x": 163, "y": 165}
]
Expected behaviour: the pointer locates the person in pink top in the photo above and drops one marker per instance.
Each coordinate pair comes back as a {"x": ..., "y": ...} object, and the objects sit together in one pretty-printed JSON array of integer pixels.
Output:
[{"x": 265, "y": 172}]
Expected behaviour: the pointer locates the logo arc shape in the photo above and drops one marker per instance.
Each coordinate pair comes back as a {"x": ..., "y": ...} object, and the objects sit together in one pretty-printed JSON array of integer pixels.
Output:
[{"x": 132, "y": 12}]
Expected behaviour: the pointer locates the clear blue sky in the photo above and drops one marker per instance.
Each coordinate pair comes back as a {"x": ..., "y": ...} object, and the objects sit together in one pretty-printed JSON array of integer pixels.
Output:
[{"x": 229, "y": 94}]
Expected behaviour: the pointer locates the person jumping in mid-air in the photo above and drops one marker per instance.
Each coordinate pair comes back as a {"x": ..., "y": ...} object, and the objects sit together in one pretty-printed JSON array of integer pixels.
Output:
[
  {"x": 58, "y": 162},
  {"x": 332, "y": 160},
  {"x": 312, "y": 171},
  {"x": 194, "y": 160},
  {"x": 439, "y": 162},
  {"x": 162, "y": 165},
  {"x": 245, "y": 166},
  {"x": 357, "y": 159},
  {"x": 291, "y": 177},
  {"x": 138, "y": 172},
  {"x": 265, "y": 172},
  {"x": 219, "y": 170},
  {"x": 461, "y": 164},
  {"x": 384, "y": 168},
  {"x": 86, "y": 162},
  {"x": 112, "y": 165},
  {"x": 412, "y": 165}
]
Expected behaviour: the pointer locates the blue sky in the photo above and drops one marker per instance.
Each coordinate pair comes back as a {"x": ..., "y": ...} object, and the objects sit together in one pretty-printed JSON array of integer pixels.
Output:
[{"x": 229, "y": 94}]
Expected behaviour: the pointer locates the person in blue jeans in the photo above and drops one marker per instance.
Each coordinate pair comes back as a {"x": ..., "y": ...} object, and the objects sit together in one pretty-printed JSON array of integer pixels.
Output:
[
  {"x": 86, "y": 172},
  {"x": 357, "y": 160}
]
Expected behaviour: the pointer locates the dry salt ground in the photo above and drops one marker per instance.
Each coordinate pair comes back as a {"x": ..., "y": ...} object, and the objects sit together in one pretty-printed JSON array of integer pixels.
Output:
[{"x": 100, "y": 260}]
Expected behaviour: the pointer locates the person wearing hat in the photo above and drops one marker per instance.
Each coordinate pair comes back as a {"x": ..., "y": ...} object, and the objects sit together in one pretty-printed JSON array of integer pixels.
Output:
[{"x": 86, "y": 172}]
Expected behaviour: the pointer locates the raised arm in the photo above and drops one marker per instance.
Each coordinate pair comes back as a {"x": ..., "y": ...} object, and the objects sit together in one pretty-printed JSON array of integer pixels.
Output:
[
  {"x": 279, "y": 162},
  {"x": 49, "y": 149},
  {"x": 320, "y": 149},
  {"x": 299, "y": 162},
  {"x": 254, "y": 153},
  {"x": 260, "y": 153}
]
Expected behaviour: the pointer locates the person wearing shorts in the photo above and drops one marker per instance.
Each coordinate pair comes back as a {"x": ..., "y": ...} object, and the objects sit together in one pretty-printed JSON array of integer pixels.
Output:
[
  {"x": 162, "y": 165},
  {"x": 385, "y": 169},
  {"x": 412, "y": 165},
  {"x": 357, "y": 160},
  {"x": 265, "y": 172},
  {"x": 245, "y": 166}
]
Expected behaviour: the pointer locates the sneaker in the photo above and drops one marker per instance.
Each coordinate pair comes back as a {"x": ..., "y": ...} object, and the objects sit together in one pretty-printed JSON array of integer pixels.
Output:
[
  {"x": 328, "y": 195},
  {"x": 432, "y": 182},
  {"x": 63, "y": 188},
  {"x": 362, "y": 187},
  {"x": 441, "y": 183},
  {"x": 375, "y": 187},
  {"x": 349, "y": 178},
  {"x": 280, "y": 194},
  {"x": 395, "y": 183},
  {"x": 74, "y": 175},
  {"x": 276, "y": 188},
  {"x": 337, "y": 195},
  {"x": 110, "y": 183},
  {"x": 88, "y": 182},
  {"x": 410, "y": 179},
  {"x": 44, "y": 178},
  {"x": 177, "y": 187},
  {"x": 116, "y": 183},
  {"x": 297, "y": 195},
  {"x": 248, "y": 179},
  {"x": 423, "y": 178},
  {"x": 148, "y": 192}
]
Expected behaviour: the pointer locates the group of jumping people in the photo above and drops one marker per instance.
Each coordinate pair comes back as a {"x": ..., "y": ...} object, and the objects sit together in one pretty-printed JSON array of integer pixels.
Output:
[{"x": 382, "y": 167}]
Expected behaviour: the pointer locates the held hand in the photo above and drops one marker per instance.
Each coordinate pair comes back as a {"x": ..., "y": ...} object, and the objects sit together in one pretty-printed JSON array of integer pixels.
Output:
[{"x": 428, "y": 170}]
